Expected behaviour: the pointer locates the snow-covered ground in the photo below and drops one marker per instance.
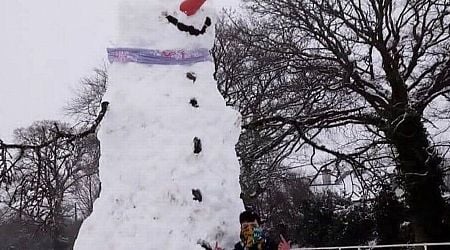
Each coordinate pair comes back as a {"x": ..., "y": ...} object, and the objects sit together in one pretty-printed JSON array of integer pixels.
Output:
[{"x": 148, "y": 167}]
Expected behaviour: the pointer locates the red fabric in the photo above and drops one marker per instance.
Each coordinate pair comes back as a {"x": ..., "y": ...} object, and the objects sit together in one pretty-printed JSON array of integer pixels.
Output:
[{"x": 190, "y": 7}]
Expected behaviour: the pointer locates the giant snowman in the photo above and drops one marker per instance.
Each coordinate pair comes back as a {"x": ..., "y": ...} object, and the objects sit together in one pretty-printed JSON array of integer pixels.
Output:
[{"x": 168, "y": 165}]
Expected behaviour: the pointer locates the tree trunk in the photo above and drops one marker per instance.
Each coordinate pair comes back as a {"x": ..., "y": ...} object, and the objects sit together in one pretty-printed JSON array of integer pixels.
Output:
[
  {"x": 419, "y": 170},
  {"x": 389, "y": 215},
  {"x": 58, "y": 226}
]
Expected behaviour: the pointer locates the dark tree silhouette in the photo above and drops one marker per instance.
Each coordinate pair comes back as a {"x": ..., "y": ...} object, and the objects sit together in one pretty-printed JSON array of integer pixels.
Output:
[
  {"x": 48, "y": 162},
  {"x": 87, "y": 102},
  {"x": 351, "y": 83}
]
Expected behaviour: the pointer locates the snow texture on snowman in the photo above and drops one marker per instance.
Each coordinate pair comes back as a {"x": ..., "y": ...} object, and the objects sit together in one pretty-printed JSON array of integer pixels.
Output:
[{"x": 168, "y": 166}]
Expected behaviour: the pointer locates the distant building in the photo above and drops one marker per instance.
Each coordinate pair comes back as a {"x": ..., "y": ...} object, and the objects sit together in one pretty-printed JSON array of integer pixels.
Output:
[
  {"x": 326, "y": 177},
  {"x": 325, "y": 181}
]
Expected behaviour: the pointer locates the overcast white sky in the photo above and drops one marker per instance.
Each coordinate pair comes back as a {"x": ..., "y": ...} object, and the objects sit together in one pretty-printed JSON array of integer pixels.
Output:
[{"x": 46, "y": 47}]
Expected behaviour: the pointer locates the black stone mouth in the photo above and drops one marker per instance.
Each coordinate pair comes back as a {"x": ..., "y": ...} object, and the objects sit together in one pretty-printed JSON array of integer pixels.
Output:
[{"x": 189, "y": 28}]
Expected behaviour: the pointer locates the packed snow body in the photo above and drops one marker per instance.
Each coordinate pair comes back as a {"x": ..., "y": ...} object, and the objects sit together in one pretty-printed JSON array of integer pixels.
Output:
[{"x": 148, "y": 167}]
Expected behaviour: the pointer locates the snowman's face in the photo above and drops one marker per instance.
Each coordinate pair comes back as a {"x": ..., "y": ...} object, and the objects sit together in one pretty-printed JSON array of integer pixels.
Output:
[{"x": 145, "y": 24}]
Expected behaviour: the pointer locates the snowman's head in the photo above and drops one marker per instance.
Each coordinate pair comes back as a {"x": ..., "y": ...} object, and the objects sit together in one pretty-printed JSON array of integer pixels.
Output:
[{"x": 166, "y": 24}]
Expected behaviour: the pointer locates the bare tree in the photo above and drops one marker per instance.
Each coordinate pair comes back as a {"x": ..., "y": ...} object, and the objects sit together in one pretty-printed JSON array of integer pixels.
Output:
[
  {"x": 365, "y": 71},
  {"x": 260, "y": 84},
  {"x": 45, "y": 166},
  {"x": 84, "y": 108},
  {"x": 44, "y": 176},
  {"x": 86, "y": 191},
  {"x": 87, "y": 103}
]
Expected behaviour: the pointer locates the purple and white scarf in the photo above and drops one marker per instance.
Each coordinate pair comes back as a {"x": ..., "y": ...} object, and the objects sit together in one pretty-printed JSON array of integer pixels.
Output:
[{"x": 162, "y": 57}]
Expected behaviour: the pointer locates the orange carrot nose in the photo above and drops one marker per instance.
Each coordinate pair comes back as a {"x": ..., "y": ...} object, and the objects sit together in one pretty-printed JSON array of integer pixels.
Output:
[{"x": 190, "y": 7}]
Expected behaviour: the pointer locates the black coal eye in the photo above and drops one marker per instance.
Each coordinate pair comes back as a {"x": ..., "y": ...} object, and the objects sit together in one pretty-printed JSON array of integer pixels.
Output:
[{"x": 208, "y": 21}]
